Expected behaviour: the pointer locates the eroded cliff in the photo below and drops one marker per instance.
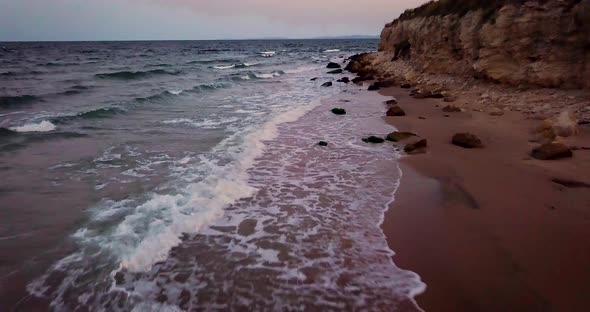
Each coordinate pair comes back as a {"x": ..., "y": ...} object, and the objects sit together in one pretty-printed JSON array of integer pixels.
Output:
[{"x": 535, "y": 43}]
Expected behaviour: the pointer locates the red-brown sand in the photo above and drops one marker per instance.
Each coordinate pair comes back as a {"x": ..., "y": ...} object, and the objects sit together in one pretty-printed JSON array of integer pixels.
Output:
[{"x": 487, "y": 229}]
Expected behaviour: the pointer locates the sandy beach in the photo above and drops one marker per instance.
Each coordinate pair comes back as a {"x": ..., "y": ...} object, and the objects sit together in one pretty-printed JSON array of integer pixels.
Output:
[{"x": 487, "y": 229}]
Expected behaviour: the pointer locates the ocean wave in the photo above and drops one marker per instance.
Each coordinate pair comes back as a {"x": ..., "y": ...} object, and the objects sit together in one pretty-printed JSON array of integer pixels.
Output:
[
  {"x": 6, "y": 132},
  {"x": 43, "y": 126},
  {"x": 214, "y": 61},
  {"x": 203, "y": 124},
  {"x": 130, "y": 75},
  {"x": 105, "y": 112},
  {"x": 6, "y": 101}
]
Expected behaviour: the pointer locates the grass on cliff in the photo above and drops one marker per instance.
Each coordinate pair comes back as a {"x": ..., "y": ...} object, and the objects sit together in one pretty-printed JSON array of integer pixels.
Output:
[{"x": 461, "y": 7}]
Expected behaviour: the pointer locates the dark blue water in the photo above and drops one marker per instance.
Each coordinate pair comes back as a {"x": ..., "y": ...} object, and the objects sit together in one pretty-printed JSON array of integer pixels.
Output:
[{"x": 113, "y": 154}]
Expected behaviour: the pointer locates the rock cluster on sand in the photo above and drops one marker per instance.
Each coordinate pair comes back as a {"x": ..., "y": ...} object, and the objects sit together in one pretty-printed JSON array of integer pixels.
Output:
[
  {"x": 466, "y": 140},
  {"x": 395, "y": 111},
  {"x": 339, "y": 111},
  {"x": 399, "y": 136},
  {"x": 373, "y": 139},
  {"x": 552, "y": 151},
  {"x": 333, "y": 65}
]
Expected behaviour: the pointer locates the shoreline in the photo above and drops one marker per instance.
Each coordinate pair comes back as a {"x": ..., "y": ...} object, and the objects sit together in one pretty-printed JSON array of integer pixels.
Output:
[{"x": 487, "y": 229}]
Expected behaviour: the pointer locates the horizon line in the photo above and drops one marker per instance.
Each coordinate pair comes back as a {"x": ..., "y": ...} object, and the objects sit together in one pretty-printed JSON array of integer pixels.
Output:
[{"x": 344, "y": 37}]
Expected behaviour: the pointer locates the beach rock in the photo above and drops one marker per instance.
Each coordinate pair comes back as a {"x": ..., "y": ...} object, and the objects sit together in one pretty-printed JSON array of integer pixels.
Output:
[
  {"x": 339, "y": 111},
  {"x": 373, "y": 139},
  {"x": 323, "y": 143},
  {"x": 496, "y": 112},
  {"x": 344, "y": 79},
  {"x": 399, "y": 136},
  {"x": 427, "y": 95},
  {"x": 570, "y": 183},
  {"x": 374, "y": 87},
  {"x": 466, "y": 140},
  {"x": 333, "y": 65},
  {"x": 327, "y": 84},
  {"x": 391, "y": 102},
  {"x": 566, "y": 124},
  {"x": 552, "y": 151},
  {"x": 406, "y": 86},
  {"x": 416, "y": 147},
  {"x": 422, "y": 117},
  {"x": 450, "y": 98},
  {"x": 247, "y": 227},
  {"x": 336, "y": 71},
  {"x": 451, "y": 109},
  {"x": 396, "y": 111},
  {"x": 545, "y": 133},
  {"x": 314, "y": 79}
]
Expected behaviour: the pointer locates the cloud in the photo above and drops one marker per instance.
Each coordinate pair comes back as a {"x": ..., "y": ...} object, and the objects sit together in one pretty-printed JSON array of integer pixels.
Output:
[{"x": 320, "y": 12}]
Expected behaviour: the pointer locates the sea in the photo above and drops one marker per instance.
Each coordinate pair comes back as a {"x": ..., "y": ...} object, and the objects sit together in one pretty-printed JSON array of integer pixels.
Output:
[{"x": 186, "y": 176}]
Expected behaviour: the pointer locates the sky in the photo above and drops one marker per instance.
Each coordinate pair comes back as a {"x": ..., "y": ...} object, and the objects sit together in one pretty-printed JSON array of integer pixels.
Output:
[{"x": 57, "y": 20}]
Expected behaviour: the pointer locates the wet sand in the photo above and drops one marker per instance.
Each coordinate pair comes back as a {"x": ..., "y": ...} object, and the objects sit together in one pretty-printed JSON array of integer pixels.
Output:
[{"x": 487, "y": 229}]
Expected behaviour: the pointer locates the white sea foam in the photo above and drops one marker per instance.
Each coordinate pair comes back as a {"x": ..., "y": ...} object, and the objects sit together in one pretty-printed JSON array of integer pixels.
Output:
[
  {"x": 44, "y": 126},
  {"x": 331, "y": 50},
  {"x": 268, "y": 53},
  {"x": 268, "y": 76},
  {"x": 245, "y": 77},
  {"x": 302, "y": 69},
  {"x": 176, "y": 92},
  {"x": 224, "y": 66}
]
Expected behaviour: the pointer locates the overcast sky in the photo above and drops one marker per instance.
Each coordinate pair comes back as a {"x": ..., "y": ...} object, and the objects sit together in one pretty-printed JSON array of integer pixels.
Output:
[{"x": 31, "y": 20}]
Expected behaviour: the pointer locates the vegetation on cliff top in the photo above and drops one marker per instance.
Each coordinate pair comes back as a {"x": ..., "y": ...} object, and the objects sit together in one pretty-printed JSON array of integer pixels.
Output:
[{"x": 461, "y": 7}]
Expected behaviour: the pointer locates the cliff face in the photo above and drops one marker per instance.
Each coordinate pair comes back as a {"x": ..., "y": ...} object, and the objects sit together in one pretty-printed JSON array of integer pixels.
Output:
[{"x": 544, "y": 43}]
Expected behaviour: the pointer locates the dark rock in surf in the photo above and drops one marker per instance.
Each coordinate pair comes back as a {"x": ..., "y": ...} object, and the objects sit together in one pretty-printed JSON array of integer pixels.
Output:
[
  {"x": 373, "y": 139},
  {"x": 314, "y": 79},
  {"x": 339, "y": 111},
  {"x": 323, "y": 143},
  {"x": 362, "y": 78},
  {"x": 333, "y": 65},
  {"x": 344, "y": 79},
  {"x": 374, "y": 87},
  {"x": 336, "y": 71},
  {"x": 327, "y": 84},
  {"x": 399, "y": 136}
]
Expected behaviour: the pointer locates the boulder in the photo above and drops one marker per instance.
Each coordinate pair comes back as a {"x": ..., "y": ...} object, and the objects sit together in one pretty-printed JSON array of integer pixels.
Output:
[
  {"x": 327, "y": 84},
  {"x": 373, "y": 139},
  {"x": 552, "y": 151},
  {"x": 344, "y": 79},
  {"x": 396, "y": 111},
  {"x": 323, "y": 143},
  {"x": 333, "y": 65},
  {"x": 362, "y": 78},
  {"x": 391, "y": 102},
  {"x": 336, "y": 71},
  {"x": 466, "y": 140},
  {"x": 399, "y": 136},
  {"x": 416, "y": 147},
  {"x": 339, "y": 111},
  {"x": 406, "y": 86},
  {"x": 451, "y": 109}
]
